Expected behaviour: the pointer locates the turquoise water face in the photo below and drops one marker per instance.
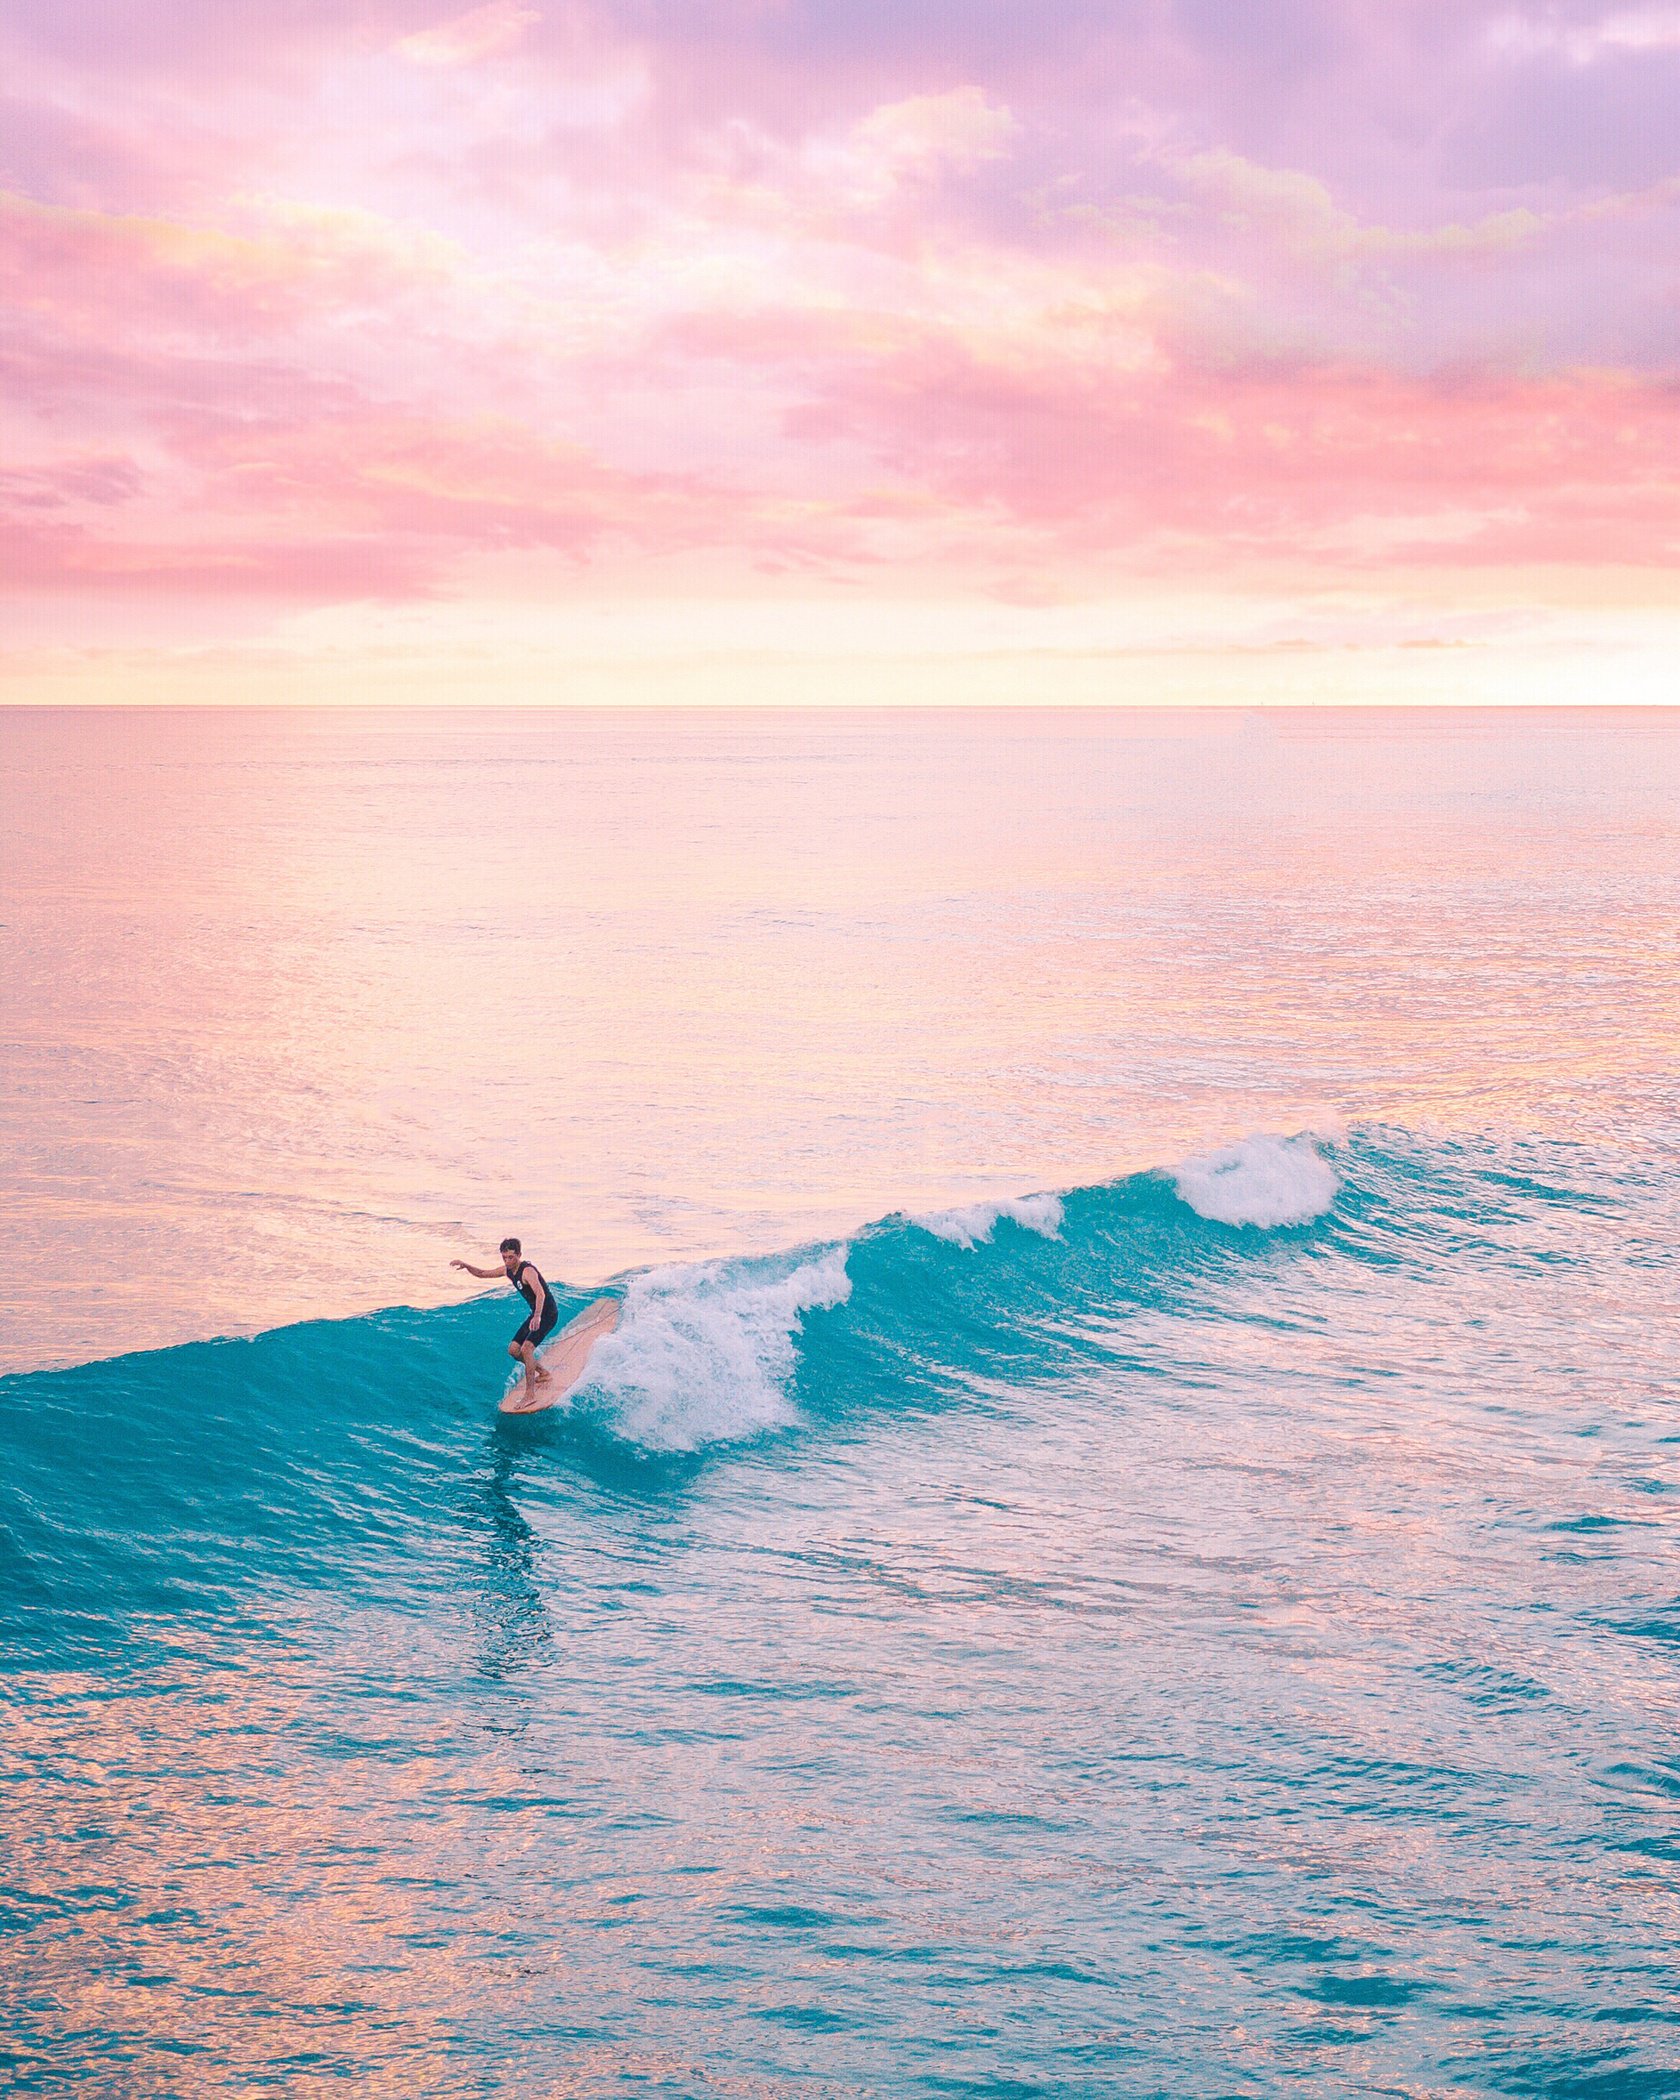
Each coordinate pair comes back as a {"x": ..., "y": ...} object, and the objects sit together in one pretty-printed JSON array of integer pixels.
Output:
[{"x": 1113, "y": 1649}]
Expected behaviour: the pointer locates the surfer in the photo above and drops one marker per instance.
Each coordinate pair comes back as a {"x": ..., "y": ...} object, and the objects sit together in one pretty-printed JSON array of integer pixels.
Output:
[{"x": 543, "y": 1318}]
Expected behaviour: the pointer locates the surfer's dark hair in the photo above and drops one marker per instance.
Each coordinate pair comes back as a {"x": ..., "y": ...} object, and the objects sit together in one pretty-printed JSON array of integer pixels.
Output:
[{"x": 509, "y": 1247}]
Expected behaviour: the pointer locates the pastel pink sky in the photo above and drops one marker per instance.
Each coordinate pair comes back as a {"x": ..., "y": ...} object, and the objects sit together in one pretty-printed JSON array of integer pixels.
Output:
[{"x": 527, "y": 347}]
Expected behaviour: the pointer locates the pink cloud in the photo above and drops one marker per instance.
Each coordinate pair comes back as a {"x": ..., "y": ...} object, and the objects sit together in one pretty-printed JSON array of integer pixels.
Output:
[
  {"x": 375, "y": 505},
  {"x": 475, "y": 485},
  {"x": 90, "y": 269},
  {"x": 483, "y": 32},
  {"x": 69, "y": 560},
  {"x": 801, "y": 285},
  {"x": 90, "y": 478},
  {"x": 1347, "y": 464}
]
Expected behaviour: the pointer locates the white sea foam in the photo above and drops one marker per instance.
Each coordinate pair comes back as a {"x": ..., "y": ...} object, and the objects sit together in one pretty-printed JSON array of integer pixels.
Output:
[
  {"x": 705, "y": 1351},
  {"x": 1259, "y": 1181},
  {"x": 973, "y": 1222}
]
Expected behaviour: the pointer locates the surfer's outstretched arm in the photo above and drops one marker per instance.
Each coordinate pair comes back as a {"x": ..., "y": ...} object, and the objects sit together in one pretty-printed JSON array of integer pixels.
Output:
[{"x": 471, "y": 1271}]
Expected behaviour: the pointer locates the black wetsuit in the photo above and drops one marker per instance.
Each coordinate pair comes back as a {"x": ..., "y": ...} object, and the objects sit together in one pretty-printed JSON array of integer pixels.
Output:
[{"x": 545, "y": 1314}]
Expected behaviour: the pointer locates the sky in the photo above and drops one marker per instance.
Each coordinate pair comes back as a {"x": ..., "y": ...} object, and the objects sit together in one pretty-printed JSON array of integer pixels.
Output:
[{"x": 839, "y": 349}]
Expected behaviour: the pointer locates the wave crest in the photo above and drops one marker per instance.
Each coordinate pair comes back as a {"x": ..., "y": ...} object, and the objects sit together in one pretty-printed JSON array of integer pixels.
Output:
[
  {"x": 1259, "y": 1181},
  {"x": 971, "y": 1223},
  {"x": 705, "y": 1352}
]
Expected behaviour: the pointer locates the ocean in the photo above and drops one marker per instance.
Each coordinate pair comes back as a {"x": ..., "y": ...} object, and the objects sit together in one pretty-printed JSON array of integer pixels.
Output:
[{"x": 1125, "y": 1541}]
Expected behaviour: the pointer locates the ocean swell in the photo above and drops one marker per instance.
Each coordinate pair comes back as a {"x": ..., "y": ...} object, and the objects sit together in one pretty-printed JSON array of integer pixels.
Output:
[{"x": 161, "y": 1482}]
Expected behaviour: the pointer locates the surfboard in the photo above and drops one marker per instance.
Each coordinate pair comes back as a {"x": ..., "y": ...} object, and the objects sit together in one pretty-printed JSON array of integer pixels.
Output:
[{"x": 565, "y": 1359}]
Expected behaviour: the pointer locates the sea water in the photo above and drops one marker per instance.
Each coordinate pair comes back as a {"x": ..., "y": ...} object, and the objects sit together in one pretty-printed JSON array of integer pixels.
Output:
[{"x": 1124, "y": 1543}]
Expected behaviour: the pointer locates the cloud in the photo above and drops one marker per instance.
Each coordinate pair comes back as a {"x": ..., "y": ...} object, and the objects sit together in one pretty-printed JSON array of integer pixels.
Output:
[
  {"x": 87, "y": 268},
  {"x": 1640, "y": 29},
  {"x": 72, "y": 561},
  {"x": 343, "y": 508},
  {"x": 790, "y": 285},
  {"x": 487, "y": 483},
  {"x": 1298, "y": 212},
  {"x": 82, "y": 478},
  {"x": 897, "y": 154},
  {"x": 481, "y": 33},
  {"x": 1179, "y": 462},
  {"x": 924, "y": 133},
  {"x": 370, "y": 503}
]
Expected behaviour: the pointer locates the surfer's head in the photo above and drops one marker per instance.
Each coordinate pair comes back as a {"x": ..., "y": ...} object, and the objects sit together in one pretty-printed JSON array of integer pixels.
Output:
[{"x": 510, "y": 1254}]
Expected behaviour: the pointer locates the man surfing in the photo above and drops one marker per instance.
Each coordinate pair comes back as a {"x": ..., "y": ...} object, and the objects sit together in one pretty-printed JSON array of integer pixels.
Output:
[{"x": 544, "y": 1316}]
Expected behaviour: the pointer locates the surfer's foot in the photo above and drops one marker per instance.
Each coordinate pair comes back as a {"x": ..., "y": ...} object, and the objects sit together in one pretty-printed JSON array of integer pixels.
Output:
[{"x": 542, "y": 1376}]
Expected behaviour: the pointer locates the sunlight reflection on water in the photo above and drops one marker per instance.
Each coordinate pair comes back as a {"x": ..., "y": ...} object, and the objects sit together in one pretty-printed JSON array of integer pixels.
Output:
[{"x": 301, "y": 1002}]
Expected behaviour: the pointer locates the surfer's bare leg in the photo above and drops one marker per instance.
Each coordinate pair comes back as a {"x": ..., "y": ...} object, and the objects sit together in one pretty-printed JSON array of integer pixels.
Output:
[{"x": 521, "y": 1352}]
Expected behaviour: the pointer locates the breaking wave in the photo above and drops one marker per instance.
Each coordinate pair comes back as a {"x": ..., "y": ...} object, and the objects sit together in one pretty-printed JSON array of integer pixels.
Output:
[
  {"x": 1264, "y": 1181},
  {"x": 705, "y": 1352},
  {"x": 144, "y": 1482}
]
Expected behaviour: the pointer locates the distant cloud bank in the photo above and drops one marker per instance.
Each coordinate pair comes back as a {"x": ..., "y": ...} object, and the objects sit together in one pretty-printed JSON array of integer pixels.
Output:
[{"x": 385, "y": 305}]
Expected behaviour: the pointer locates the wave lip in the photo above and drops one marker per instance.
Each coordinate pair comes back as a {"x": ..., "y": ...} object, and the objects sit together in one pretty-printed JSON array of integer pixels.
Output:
[
  {"x": 971, "y": 1223},
  {"x": 1260, "y": 1180},
  {"x": 705, "y": 1352}
]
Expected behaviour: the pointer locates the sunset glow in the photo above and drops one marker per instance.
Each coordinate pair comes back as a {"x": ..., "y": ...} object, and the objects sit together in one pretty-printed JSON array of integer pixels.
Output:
[{"x": 709, "y": 350}]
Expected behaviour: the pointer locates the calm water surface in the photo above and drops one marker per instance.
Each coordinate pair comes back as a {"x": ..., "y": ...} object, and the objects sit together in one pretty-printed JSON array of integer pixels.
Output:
[
  {"x": 296, "y": 1002},
  {"x": 1213, "y": 1628}
]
